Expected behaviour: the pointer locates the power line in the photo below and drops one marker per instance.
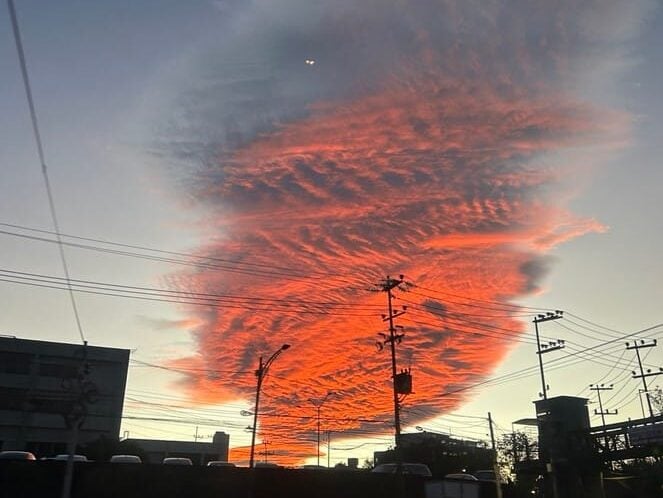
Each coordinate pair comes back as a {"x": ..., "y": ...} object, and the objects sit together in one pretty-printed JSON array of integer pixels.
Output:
[
  {"x": 466, "y": 328},
  {"x": 255, "y": 269},
  {"x": 183, "y": 297},
  {"x": 494, "y": 303},
  {"x": 42, "y": 159},
  {"x": 514, "y": 375},
  {"x": 187, "y": 369},
  {"x": 450, "y": 315},
  {"x": 191, "y": 294},
  {"x": 444, "y": 311},
  {"x": 186, "y": 418},
  {"x": 593, "y": 323}
]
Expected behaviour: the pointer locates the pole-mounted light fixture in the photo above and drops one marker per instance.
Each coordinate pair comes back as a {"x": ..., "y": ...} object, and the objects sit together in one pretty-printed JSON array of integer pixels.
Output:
[{"x": 261, "y": 372}]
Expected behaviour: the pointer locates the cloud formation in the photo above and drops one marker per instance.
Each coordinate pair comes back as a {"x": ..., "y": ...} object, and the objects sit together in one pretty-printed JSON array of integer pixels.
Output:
[{"x": 427, "y": 139}]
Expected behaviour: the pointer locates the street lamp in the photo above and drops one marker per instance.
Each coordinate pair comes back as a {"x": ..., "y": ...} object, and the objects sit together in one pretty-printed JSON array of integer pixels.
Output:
[
  {"x": 263, "y": 368},
  {"x": 318, "y": 405}
]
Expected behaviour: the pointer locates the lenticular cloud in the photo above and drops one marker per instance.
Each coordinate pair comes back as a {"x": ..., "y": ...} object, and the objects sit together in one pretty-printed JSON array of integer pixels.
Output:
[{"x": 428, "y": 140}]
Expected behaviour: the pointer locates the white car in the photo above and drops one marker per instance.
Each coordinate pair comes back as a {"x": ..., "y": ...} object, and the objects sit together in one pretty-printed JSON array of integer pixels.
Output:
[
  {"x": 63, "y": 457},
  {"x": 177, "y": 461},
  {"x": 220, "y": 463},
  {"x": 416, "y": 469},
  {"x": 125, "y": 459}
]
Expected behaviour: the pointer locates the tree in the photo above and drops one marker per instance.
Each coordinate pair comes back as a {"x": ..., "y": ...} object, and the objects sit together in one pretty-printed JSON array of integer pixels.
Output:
[
  {"x": 656, "y": 398},
  {"x": 515, "y": 450},
  {"x": 516, "y": 447}
]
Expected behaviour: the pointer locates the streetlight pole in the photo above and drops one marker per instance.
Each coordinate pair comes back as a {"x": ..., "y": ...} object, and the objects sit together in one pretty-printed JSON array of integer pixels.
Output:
[
  {"x": 318, "y": 406},
  {"x": 260, "y": 374}
]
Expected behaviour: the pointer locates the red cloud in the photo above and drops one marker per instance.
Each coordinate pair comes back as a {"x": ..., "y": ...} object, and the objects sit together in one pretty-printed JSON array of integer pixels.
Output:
[{"x": 434, "y": 179}]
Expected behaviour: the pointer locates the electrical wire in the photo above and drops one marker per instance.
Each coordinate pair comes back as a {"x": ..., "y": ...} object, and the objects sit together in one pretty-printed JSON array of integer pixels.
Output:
[
  {"x": 180, "y": 297},
  {"x": 255, "y": 269},
  {"x": 593, "y": 323},
  {"x": 499, "y": 304},
  {"x": 527, "y": 371},
  {"x": 42, "y": 160}
]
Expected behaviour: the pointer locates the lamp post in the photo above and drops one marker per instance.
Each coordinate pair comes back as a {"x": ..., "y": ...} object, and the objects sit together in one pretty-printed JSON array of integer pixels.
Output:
[
  {"x": 263, "y": 368},
  {"x": 318, "y": 405}
]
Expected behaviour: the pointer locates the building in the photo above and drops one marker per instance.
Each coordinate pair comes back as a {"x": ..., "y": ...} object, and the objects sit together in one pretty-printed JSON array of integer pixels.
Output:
[
  {"x": 155, "y": 450},
  {"x": 567, "y": 457},
  {"x": 442, "y": 453},
  {"x": 48, "y": 388}
]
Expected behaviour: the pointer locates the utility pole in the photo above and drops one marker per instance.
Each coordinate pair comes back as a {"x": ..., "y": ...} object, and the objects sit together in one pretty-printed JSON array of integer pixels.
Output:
[
  {"x": 546, "y": 348},
  {"x": 642, "y": 407},
  {"x": 598, "y": 388},
  {"x": 642, "y": 345},
  {"x": 197, "y": 436},
  {"x": 318, "y": 406},
  {"x": 81, "y": 393},
  {"x": 399, "y": 381},
  {"x": 265, "y": 443},
  {"x": 540, "y": 351},
  {"x": 496, "y": 468},
  {"x": 328, "y": 448}
]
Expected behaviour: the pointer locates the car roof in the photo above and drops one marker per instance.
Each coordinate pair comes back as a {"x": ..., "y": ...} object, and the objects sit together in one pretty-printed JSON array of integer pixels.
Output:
[
  {"x": 461, "y": 475},
  {"x": 409, "y": 468},
  {"x": 65, "y": 456},
  {"x": 16, "y": 455},
  {"x": 126, "y": 458}
]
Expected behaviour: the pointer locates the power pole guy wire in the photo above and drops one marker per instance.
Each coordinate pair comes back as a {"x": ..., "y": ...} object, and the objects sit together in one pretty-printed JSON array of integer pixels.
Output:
[{"x": 42, "y": 160}]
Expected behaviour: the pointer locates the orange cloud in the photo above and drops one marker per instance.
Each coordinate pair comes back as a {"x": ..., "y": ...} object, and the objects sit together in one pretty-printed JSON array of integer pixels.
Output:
[
  {"x": 438, "y": 170},
  {"x": 429, "y": 183}
]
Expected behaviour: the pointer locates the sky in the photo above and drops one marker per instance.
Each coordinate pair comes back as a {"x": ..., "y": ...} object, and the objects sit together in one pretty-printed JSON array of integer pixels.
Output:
[{"x": 233, "y": 176}]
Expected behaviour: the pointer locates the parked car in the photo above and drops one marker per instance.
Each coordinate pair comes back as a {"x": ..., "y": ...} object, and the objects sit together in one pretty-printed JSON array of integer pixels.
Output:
[
  {"x": 266, "y": 465},
  {"x": 17, "y": 455},
  {"x": 416, "y": 469},
  {"x": 462, "y": 476},
  {"x": 177, "y": 461},
  {"x": 220, "y": 463},
  {"x": 125, "y": 459},
  {"x": 64, "y": 457}
]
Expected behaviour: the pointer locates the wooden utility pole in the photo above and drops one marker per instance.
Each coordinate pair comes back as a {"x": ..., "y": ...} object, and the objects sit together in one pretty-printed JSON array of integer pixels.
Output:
[
  {"x": 496, "y": 468},
  {"x": 546, "y": 348},
  {"x": 638, "y": 346}
]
